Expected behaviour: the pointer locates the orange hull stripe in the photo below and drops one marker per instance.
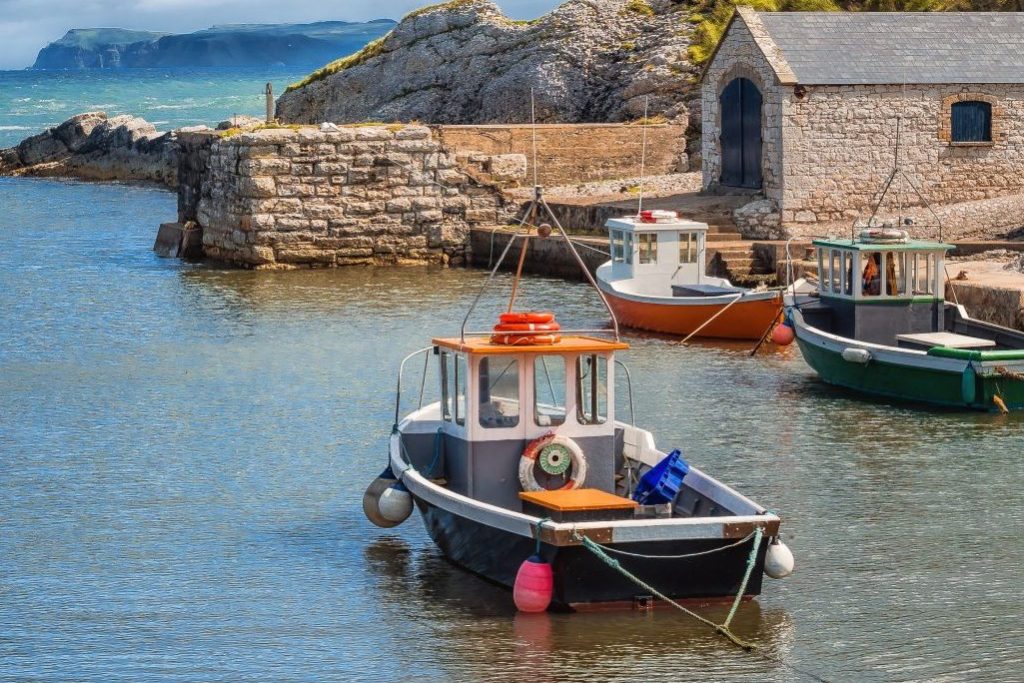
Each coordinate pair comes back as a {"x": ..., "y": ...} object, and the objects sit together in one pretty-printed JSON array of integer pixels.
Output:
[{"x": 744, "y": 320}]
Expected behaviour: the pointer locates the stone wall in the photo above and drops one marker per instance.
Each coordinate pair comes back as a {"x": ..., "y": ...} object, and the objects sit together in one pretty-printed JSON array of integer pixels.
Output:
[
  {"x": 839, "y": 144},
  {"x": 359, "y": 195},
  {"x": 576, "y": 153},
  {"x": 739, "y": 56}
]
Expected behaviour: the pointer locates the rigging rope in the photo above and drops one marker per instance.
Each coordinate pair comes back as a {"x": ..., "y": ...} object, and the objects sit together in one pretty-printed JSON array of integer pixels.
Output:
[
  {"x": 1010, "y": 374},
  {"x": 723, "y": 628},
  {"x": 617, "y": 551}
]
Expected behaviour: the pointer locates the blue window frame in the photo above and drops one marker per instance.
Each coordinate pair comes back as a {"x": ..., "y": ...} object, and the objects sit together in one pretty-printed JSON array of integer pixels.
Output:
[{"x": 971, "y": 122}]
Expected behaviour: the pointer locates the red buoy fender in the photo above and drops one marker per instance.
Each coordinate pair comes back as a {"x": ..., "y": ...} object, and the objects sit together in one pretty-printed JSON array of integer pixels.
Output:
[
  {"x": 534, "y": 585},
  {"x": 783, "y": 335},
  {"x": 527, "y": 317}
]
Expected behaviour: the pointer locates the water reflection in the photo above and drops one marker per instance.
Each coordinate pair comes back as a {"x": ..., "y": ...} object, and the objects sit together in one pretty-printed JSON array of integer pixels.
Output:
[{"x": 184, "y": 449}]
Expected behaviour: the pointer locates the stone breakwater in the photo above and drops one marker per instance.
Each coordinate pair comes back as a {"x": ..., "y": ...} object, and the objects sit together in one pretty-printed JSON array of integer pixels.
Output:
[
  {"x": 93, "y": 146},
  {"x": 307, "y": 197}
]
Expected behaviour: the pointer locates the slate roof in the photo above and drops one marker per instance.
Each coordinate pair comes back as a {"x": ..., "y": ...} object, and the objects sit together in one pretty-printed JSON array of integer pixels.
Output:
[{"x": 833, "y": 48}]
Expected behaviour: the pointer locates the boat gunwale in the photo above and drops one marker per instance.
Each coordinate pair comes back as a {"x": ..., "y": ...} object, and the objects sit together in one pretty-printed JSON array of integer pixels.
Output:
[
  {"x": 745, "y": 295},
  {"x": 895, "y": 355},
  {"x": 566, "y": 533}
]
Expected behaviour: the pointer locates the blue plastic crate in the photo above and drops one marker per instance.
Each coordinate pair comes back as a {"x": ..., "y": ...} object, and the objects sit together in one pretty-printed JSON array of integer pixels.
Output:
[{"x": 662, "y": 483}]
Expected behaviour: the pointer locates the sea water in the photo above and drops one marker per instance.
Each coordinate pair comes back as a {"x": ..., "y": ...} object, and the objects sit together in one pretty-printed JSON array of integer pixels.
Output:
[
  {"x": 31, "y": 101},
  {"x": 183, "y": 450}
]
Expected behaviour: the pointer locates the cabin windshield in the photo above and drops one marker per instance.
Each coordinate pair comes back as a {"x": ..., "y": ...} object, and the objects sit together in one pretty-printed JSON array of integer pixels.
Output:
[
  {"x": 922, "y": 273},
  {"x": 617, "y": 247},
  {"x": 591, "y": 389},
  {"x": 688, "y": 247},
  {"x": 647, "y": 243},
  {"x": 453, "y": 387},
  {"x": 549, "y": 391},
  {"x": 499, "y": 392}
]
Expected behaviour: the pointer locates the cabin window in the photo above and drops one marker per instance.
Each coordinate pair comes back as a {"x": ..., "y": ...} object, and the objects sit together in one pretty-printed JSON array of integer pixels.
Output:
[
  {"x": 499, "y": 392},
  {"x": 647, "y": 242},
  {"x": 592, "y": 390},
  {"x": 618, "y": 252},
  {"x": 447, "y": 385},
  {"x": 895, "y": 273},
  {"x": 871, "y": 275},
  {"x": 835, "y": 269},
  {"x": 460, "y": 389},
  {"x": 627, "y": 246},
  {"x": 453, "y": 387},
  {"x": 687, "y": 247},
  {"x": 847, "y": 272},
  {"x": 970, "y": 122},
  {"x": 922, "y": 275},
  {"x": 549, "y": 391}
]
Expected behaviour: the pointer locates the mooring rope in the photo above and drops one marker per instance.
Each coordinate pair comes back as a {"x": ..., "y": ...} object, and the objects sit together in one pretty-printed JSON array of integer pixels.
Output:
[
  {"x": 1010, "y": 374},
  {"x": 617, "y": 551},
  {"x": 720, "y": 628},
  {"x": 723, "y": 628}
]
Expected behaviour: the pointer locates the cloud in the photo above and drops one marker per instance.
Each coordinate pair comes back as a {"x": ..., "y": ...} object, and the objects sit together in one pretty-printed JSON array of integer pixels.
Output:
[{"x": 28, "y": 25}]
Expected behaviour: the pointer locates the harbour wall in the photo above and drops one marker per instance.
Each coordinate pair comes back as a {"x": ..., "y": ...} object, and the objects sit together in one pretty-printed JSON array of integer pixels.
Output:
[
  {"x": 577, "y": 153},
  {"x": 282, "y": 197},
  {"x": 291, "y": 197}
]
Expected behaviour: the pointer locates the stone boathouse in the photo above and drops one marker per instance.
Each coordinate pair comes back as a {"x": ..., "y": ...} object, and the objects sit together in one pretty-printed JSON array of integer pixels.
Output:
[{"x": 803, "y": 106}]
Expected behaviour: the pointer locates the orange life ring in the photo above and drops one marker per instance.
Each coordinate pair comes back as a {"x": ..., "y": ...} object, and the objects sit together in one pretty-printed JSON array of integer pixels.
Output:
[
  {"x": 527, "y": 327},
  {"x": 527, "y": 317},
  {"x": 533, "y": 450},
  {"x": 525, "y": 339}
]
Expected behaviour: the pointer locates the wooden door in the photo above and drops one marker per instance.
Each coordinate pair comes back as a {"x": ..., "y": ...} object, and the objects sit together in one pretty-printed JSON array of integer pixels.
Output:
[{"x": 740, "y": 106}]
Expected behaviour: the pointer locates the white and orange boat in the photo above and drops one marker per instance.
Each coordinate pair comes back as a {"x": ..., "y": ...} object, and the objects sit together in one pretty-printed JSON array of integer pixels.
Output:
[{"x": 656, "y": 281}]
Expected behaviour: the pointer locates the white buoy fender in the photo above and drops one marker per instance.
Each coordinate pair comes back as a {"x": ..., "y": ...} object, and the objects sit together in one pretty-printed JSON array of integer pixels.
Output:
[
  {"x": 778, "y": 561},
  {"x": 395, "y": 503},
  {"x": 371, "y": 498},
  {"x": 862, "y": 356}
]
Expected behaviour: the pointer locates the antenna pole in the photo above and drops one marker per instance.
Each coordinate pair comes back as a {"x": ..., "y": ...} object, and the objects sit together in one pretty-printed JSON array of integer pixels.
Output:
[
  {"x": 643, "y": 156},
  {"x": 533, "y": 121}
]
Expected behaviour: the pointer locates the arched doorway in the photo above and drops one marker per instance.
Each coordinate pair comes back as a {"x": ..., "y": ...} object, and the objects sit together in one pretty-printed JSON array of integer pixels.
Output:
[{"x": 740, "y": 105}]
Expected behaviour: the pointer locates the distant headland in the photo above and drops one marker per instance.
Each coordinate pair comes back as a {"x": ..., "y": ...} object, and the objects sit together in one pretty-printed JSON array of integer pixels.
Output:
[{"x": 227, "y": 45}]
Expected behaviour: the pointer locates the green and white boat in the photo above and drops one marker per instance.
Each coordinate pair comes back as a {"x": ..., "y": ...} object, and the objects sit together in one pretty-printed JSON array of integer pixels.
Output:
[{"x": 879, "y": 324}]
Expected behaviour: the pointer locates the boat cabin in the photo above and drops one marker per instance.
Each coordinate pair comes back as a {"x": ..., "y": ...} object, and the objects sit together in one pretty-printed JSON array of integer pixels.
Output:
[
  {"x": 497, "y": 398},
  {"x": 878, "y": 291},
  {"x": 651, "y": 253}
]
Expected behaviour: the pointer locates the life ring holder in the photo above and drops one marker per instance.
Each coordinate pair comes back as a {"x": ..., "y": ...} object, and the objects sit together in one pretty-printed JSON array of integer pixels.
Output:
[{"x": 535, "y": 449}]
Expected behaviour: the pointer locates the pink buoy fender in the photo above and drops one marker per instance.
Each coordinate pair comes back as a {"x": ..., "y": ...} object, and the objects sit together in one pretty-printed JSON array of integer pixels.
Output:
[
  {"x": 534, "y": 585},
  {"x": 783, "y": 335}
]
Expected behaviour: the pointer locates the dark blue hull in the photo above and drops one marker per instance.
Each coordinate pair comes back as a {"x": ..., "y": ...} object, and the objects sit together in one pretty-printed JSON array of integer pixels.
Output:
[{"x": 582, "y": 579}]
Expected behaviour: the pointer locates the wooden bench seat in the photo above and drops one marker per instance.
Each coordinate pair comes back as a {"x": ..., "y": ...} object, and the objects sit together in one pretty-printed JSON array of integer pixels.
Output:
[{"x": 577, "y": 505}]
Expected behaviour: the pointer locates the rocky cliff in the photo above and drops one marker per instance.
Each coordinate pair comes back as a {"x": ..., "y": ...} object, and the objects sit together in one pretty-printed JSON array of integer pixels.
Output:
[
  {"x": 234, "y": 45},
  {"x": 94, "y": 147},
  {"x": 466, "y": 62}
]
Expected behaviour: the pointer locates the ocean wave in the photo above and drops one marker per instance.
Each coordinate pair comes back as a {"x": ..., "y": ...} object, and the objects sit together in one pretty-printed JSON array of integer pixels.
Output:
[{"x": 16, "y": 128}]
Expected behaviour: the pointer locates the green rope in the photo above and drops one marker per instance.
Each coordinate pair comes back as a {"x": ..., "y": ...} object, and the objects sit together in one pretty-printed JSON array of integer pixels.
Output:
[
  {"x": 536, "y": 550},
  {"x": 723, "y": 628},
  {"x": 720, "y": 628},
  {"x": 751, "y": 561}
]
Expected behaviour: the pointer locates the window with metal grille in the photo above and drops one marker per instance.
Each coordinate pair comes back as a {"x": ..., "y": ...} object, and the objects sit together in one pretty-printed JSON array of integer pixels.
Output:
[{"x": 971, "y": 122}]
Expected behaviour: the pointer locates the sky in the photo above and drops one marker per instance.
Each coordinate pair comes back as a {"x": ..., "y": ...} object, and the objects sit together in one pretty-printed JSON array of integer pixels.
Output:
[{"x": 28, "y": 25}]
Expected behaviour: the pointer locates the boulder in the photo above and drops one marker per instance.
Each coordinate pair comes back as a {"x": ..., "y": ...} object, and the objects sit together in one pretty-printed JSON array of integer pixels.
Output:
[
  {"x": 41, "y": 149},
  {"x": 465, "y": 62},
  {"x": 75, "y": 132},
  {"x": 240, "y": 121},
  {"x": 94, "y": 147}
]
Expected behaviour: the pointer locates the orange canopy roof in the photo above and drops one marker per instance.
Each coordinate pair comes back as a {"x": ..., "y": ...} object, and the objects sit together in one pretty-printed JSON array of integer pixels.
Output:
[{"x": 569, "y": 344}]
